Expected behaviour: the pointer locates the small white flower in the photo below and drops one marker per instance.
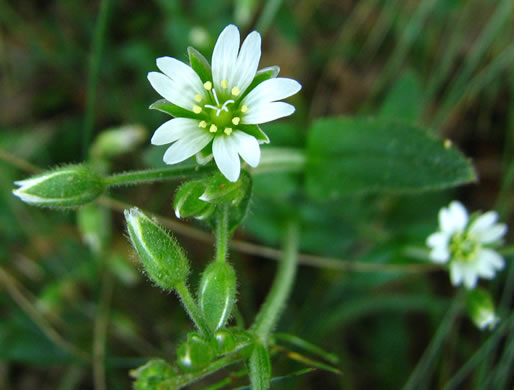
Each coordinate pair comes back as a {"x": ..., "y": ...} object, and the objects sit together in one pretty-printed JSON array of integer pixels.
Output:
[
  {"x": 464, "y": 243},
  {"x": 220, "y": 115}
]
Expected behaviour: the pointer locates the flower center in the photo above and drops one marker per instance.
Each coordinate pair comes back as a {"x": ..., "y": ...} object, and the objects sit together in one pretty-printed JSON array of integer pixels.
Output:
[
  {"x": 219, "y": 115},
  {"x": 464, "y": 247}
]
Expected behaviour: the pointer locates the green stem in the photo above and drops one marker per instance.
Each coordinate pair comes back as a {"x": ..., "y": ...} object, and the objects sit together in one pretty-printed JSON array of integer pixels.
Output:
[
  {"x": 192, "y": 308},
  {"x": 94, "y": 70},
  {"x": 273, "y": 159},
  {"x": 222, "y": 234},
  {"x": 153, "y": 175},
  {"x": 270, "y": 311}
]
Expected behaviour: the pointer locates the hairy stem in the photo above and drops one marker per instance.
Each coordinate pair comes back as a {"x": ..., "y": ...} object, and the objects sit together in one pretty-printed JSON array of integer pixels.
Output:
[
  {"x": 222, "y": 234},
  {"x": 192, "y": 308},
  {"x": 153, "y": 175},
  {"x": 274, "y": 304}
]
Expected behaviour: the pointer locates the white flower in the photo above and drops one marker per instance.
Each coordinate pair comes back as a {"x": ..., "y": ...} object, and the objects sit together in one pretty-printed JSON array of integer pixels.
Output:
[
  {"x": 218, "y": 110},
  {"x": 464, "y": 243}
]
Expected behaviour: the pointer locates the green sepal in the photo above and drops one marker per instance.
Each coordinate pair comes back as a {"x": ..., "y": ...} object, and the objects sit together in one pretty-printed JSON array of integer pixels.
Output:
[
  {"x": 262, "y": 75},
  {"x": 152, "y": 374},
  {"x": 172, "y": 109},
  {"x": 259, "y": 366},
  {"x": 70, "y": 186},
  {"x": 481, "y": 309},
  {"x": 188, "y": 204},
  {"x": 218, "y": 189},
  {"x": 230, "y": 340},
  {"x": 195, "y": 353},
  {"x": 256, "y": 131},
  {"x": 239, "y": 211},
  {"x": 217, "y": 294},
  {"x": 163, "y": 259},
  {"x": 199, "y": 64}
]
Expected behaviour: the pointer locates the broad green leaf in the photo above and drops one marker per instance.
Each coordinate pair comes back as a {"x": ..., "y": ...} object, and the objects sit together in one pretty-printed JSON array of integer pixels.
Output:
[{"x": 358, "y": 155}]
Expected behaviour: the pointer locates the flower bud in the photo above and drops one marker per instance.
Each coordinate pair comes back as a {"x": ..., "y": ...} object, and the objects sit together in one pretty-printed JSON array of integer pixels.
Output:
[
  {"x": 481, "y": 309},
  {"x": 69, "y": 186},
  {"x": 162, "y": 257},
  {"x": 195, "y": 353},
  {"x": 217, "y": 294},
  {"x": 117, "y": 141},
  {"x": 188, "y": 204}
]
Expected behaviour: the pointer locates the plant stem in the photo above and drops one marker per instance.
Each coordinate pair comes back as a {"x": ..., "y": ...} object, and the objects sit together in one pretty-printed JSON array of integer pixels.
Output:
[
  {"x": 222, "y": 234},
  {"x": 270, "y": 311},
  {"x": 192, "y": 308},
  {"x": 94, "y": 70},
  {"x": 152, "y": 175}
]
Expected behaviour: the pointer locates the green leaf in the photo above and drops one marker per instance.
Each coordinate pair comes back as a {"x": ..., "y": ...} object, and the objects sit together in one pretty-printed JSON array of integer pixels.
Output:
[
  {"x": 357, "y": 155},
  {"x": 171, "y": 109},
  {"x": 260, "y": 368},
  {"x": 405, "y": 100},
  {"x": 199, "y": 64}
]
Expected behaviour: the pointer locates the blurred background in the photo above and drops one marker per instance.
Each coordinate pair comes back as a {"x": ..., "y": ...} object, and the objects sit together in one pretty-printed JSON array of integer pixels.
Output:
[{"x": 70, "y": 283}]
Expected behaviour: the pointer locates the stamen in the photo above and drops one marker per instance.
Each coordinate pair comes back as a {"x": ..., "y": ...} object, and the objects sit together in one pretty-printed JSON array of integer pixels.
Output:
[
  {"x": 198, "y": 98},
  {"x": 224, "y": 83},
  {"x": 228, "y": 130},
  {"x": 202, "y": 124},
  {"x": 215, "y": 97},
  {"x": 197, "y": 109},
  {"x": 207, "y": 85},
  {"x": 244, "y": 108},
  {"x": 236, "y": 120},
  {"x": 213, "y": 128},
  {"x": 236, "y": 91}
]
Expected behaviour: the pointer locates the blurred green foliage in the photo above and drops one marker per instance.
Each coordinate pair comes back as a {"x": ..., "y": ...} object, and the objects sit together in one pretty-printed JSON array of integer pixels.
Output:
[{"x": 73, "y": 317}]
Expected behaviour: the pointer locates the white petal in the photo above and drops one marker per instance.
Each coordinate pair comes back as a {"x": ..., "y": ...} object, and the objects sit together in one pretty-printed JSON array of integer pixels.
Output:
[
  {"x": 456, "y": 273},
  {"x": 272, "y": 90},
  {"x": 440, "y": 255},
  {"x": 187, "y": 146},
  {"x": 491, "y": 257},
  {"x": 454, "y": 218},
  {"x": 470, "y": 276},
  {"x": 483, "y": 222},
  {"x": 226, "y": 157},
  {"x": 438, "y": 239},
  {"x": 224, "y": 55},
  {"x": 180, "y": 72},
  {"x": 174, "y": 91},
  {"x": 267, "y": 113},
  {"x": 173, "y": 130},
  {"x": 485, "y": 270},
  {"x": 247, "y": 62},
  {"x": 247, "y": 147},
  {"x": 494, "y": 233}
]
